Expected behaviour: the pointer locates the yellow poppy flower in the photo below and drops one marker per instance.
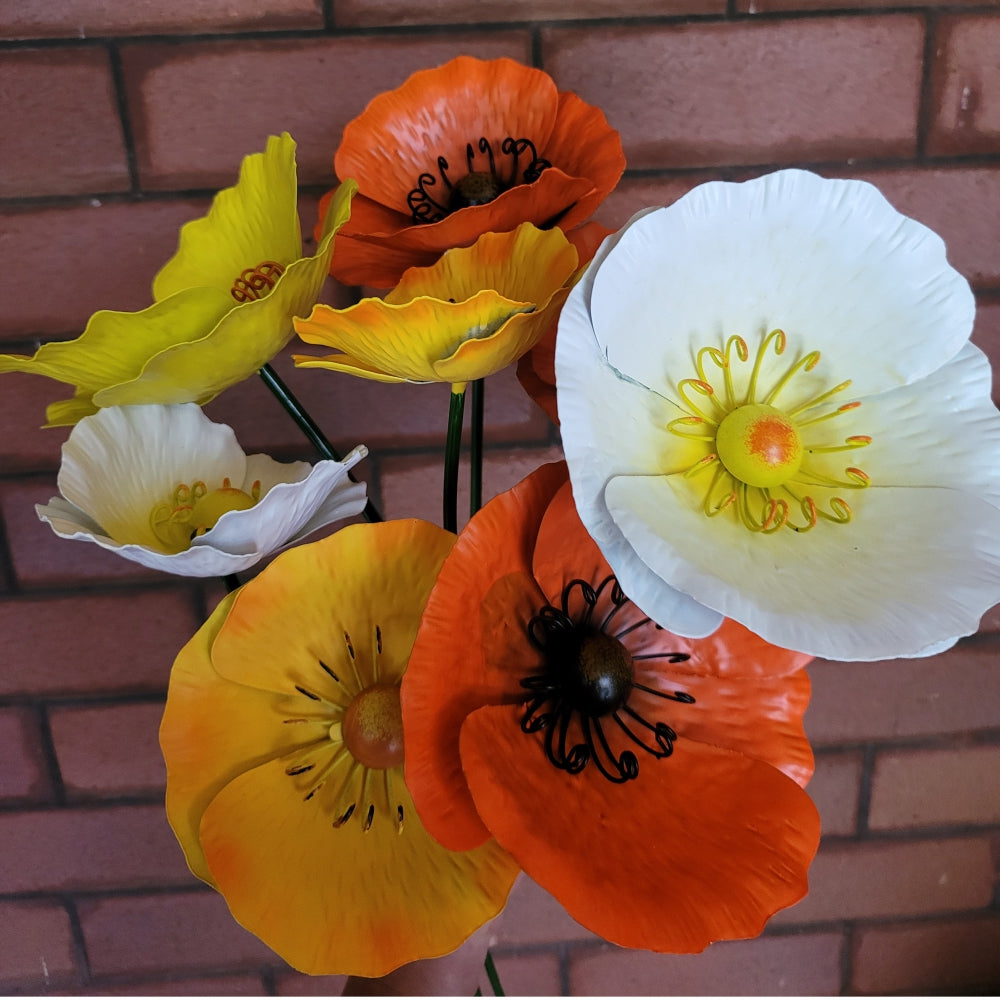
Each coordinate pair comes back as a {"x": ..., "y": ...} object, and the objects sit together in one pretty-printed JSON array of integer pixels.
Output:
[
  {"x": 472, "y": 313},
  {"x": 223, "y": 304},
  {"x": 282, "y": 736}
]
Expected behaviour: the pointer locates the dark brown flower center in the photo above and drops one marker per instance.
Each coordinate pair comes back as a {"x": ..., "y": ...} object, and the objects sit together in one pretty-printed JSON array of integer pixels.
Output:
[{"x": 373, "y": 727}]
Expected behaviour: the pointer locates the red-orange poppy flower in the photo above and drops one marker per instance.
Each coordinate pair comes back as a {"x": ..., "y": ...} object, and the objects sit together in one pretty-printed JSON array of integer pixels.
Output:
[
  {"x": 651, "y": 783},
  {"x": 468, "y": 148}
]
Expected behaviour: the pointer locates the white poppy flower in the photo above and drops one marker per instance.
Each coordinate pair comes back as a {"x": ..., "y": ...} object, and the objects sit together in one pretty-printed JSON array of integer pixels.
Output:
[
  {"x": 166, "y": 487},
  {"x": 771, "y": 412}
]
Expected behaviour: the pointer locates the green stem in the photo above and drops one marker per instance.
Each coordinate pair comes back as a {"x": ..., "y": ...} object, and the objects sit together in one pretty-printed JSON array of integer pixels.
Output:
[
  {"x": 494, "y": 978},
  {"x": 452, "y": 449},
  {"x": 476, "y": 447},
  {"x": 309, "y": 427}
]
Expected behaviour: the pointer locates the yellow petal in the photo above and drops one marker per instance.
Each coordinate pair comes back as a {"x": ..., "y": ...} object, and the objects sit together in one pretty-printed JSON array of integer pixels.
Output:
[
  {"x": 212, "y": 731},
  {"x": 526, "y": 265},
  {"x": 406, "y": 340},
  {"x": 247, "y": 337},
  {"x": 255, "y": 221}
]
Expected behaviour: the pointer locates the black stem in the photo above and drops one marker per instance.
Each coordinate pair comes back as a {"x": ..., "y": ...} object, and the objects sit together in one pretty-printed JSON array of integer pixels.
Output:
[
  {"x": 309, "y": 427},
  {"x": 232, "y": 582},
  {"x": 452, "y": 449},
  {"x": 476, "y": 447}
]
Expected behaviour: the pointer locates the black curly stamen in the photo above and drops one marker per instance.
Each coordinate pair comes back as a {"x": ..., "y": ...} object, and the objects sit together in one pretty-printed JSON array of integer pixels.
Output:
[
  {"x": 587, "y": 677},
  {"x": 478, "y": 186}
]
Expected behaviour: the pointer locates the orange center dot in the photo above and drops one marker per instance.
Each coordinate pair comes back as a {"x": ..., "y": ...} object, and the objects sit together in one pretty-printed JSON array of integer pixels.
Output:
[
  {"x": 373, "y": 727},
  {"x": 759, "y": 445}
]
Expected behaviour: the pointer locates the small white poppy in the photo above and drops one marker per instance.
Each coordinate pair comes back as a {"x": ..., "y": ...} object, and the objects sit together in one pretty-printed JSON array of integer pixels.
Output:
[
  {"x": 166, "y": 487},
  {"x": 771, "y": 412}
]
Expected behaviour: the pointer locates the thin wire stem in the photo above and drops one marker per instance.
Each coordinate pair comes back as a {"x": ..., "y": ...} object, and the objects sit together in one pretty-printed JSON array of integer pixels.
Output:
[
  {"x": 452, "y": 449},
  {"x": 309, "y": 427},
  {"x": 494, "y": 978},
  {"x": 476, "y": 447}
]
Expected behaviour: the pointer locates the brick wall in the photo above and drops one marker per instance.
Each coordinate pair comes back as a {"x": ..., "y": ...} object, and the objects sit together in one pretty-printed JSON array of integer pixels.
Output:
[{"x": 118, "y": 121}]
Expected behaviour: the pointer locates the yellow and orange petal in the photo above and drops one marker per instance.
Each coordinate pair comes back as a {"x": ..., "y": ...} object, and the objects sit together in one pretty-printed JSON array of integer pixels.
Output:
[
  {"x": 399, "y": 137},
  {"x": 257, "y": 739}
]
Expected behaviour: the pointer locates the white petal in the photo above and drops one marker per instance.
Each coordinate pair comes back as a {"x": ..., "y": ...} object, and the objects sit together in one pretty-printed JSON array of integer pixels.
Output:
[
  {"x": 121, "y": 462},
  {"x": 916, "y": 567},
  {"x": 941, "y": 431},
  {"x": 828, "y": 261}
]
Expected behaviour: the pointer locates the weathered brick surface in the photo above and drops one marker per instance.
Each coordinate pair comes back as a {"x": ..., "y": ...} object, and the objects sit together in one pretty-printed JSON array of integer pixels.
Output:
[
  {"x": 54, "y": 100},
  {"x": 77, "y": 643},
  {"x": 36, "y": 946},
  {"x": 527, "y": 975},
  {"x": 207, "y": 986},
  {"x": 295, "y": 984},
  {"x": 966, "y": 86},
  {"x": 24, "y": 774},
  {"x": 110, "y": 750},
  {"x": 806, "y": 965},
  {"x": 532, "y": 915},
  {"x": 920, "y": 958},
  {"x": 173, "y": 931},
  {"x": 308, "y": 88},
  {"x": 835, "y": 788},
  {"x": 862, "y": 880},
  {"x": 87, "y": 18},
  {"x": 683, "y": 96},
  {"x": 23, "y": 399},
  {"x": 113, "y": 847},
  {"x": 935, "y": 787}
]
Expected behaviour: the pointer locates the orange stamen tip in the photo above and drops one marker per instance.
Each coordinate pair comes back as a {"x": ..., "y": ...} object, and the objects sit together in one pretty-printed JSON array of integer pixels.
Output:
[
  {"x": 702, "y": 387},
  {"x": 859, "y": 474},
  {"x": 849, "y": 406},
  {"x": 812, "y": 360},
  {"x": 860, "y": 439}
]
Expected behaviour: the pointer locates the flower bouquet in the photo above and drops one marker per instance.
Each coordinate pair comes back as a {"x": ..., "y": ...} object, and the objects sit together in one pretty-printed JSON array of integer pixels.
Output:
[{"x": 779, "y": 444}]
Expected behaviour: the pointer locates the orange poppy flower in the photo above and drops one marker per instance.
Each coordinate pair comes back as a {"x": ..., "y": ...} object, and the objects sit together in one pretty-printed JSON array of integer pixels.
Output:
[
  {"x": 651, "y": 783},
  {"x": 283, "y": 742},
  {"x": 468, "y": 148}
]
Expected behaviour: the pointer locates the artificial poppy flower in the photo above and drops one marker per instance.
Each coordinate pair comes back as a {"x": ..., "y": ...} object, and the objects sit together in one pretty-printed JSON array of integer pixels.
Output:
[
  {"x": 472, "y": 313},
  {"x": 771, "y": 412},
  {"x": 468, "y": 148},
  {"x": 223, "y": 304},
  {"x": 167, "y": 488},
  {"x": 651, "y": 783},
  {"x": 283, "y": 743}
]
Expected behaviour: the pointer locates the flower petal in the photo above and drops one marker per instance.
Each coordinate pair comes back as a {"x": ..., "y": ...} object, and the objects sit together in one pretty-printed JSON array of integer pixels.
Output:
[
  {"x": 253, "y": 222},
  {"x": 737, "y": 836},
  {"x": 914, "y": 567}
]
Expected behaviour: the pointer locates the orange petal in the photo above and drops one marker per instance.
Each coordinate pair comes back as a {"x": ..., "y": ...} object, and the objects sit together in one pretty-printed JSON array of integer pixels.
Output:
[
  {"x": 434, "y": 705},
  {"x": 703, "y": 846},
  {"x": 345, "y": 899}
]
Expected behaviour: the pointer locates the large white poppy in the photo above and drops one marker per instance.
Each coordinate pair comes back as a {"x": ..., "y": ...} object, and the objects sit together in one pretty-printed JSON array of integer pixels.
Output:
[
  {"x": 166, "y": 487},
  {"x": 771, "y": 412}
]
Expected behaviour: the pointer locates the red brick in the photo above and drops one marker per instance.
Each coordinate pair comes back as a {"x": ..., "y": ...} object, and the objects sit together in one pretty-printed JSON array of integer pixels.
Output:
[
  {"x": 36, "y": 946},
  {"x": 121, "y": 847},
  {"x": 803, "y": 965},
  {"x": 965, "y": 79},
  {"x": 295, "y": 984},
  {"x": 534, "y": 974},
  {"x": 835, "y": 788},
  {"x": 986, "y": 336},
  {"x": 59, "y": 120},
  {"x": 935, "y": 787},
  {"x": 635, "y": 193},
  {"x": 167, "y": 933},
  {"x": 310, "y": 88},
  {"x": 43, "y": 558},
  {"x": 377, "y": 13},
  {"x": 956, "y": 691},
  {"x": 962, "y": 205},
  {"x": 78, "y": 260},
  {"x": 223, "y": 986},
  {"x": 25, "y": 445},
  {"x": 24, "y": 774},
  {"x": 920, "y": 958},
  {"x": 703, "y": 94},
  {"x": 769, "y": 6},
  {"x": 94, "y": 643},
  {"x": 109, "y": 751},
  {"x": 87, "y": 18},
  {"x": 412, "y": 486},
  {"x": 884, "y": 879},
  {"x": 533, "y": 916}
]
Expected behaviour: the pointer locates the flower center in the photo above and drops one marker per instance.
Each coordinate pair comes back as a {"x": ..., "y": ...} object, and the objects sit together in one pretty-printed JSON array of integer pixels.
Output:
[
  {"x": 771, "y": 462},
  {"x": 485, "y": 179},
  {"x": 579, "y": 698},
  {"x": 373, "y": 727},
  {"x": 194, "y": 510},
  {"x": 256, "y": 282}
]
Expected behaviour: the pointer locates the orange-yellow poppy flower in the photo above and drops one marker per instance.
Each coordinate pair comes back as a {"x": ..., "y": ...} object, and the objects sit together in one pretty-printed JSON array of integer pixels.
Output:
[
  {"x": 467, "y": 316},
  {"x": 650, "y": 782},
  {"x": 470, "y": 147},
  {"x": 283, "y": 742}
]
